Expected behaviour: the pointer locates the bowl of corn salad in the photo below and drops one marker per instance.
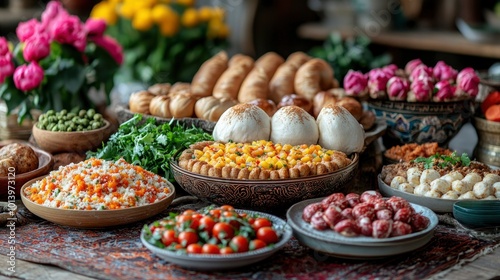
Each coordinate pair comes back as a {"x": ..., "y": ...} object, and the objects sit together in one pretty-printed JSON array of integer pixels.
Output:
[
  {"x": 263, "y": 193},
  {"x": 97, "y": 193}
]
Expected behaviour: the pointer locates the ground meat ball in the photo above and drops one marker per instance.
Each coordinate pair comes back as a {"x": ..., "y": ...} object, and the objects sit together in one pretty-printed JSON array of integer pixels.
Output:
[{"x": 24, "y": 157}]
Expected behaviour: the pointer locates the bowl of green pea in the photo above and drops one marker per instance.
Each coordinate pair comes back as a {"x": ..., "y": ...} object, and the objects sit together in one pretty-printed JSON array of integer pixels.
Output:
[{"x": 71, "y": 132}]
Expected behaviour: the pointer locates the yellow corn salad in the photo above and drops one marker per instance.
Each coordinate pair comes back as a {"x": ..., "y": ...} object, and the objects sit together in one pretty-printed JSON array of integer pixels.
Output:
[
  {"x": 263, "y": 154},
  {"x": 97, "y": 184}
]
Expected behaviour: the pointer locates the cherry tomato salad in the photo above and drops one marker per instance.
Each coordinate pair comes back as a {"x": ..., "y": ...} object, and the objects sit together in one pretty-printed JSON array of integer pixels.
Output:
[{"x": 212, "y": 230}]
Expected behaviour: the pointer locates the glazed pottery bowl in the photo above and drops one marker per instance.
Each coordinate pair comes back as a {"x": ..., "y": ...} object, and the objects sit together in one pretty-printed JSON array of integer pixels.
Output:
[
  {"x": 488, "y": 147},
  {"x": 95, "y": 219},
  {"x": 15, "y": 181},
  {"x": 75, "y": 141},
  {"x": 477, "y": 213},
  {"x": 421, "y": 122},
  {"x": 263, "y": 195}
]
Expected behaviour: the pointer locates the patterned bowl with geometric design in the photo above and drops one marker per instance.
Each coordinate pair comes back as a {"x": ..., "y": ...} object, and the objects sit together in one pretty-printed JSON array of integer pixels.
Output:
[
  {"x": 264, "y": 195},
  {"x": 421, "y": 122}
]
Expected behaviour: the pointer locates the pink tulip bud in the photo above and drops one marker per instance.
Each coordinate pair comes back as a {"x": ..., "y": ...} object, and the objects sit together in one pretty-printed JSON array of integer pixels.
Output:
[
  {"x": 69, "y": 30},
  {"x": 36, "y": 48},
  {"x": 397, "y": 88},
  {"x": 390, "y": 69},
  {"x": 111, "y": 46},
  {"x": 26, "y": 29},
  {"x": 95, "y": 27},
  {"x": 421, "y": 90},
  {"x": 52, "y": 10},
  {"x": 377, "y": 83},
  {"x": 467, "y": 83},
  {"x": 443, "y": 91},
  {"x": 355, "y": 83},
  {"x": 421, "y": 71},
  {"x": 6, "y": 66},
  {"x": 28, "y": 77},
  {"x": 411, "y": 65},
  {"x": 4, "y": 46},
  {"x": 442, "y": 71}
]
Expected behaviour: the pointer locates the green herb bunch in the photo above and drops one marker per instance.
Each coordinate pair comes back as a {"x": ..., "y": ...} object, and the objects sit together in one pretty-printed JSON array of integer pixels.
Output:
[
  {"x": 150, "y": 145},
  {"x": 444, "y": 161}
]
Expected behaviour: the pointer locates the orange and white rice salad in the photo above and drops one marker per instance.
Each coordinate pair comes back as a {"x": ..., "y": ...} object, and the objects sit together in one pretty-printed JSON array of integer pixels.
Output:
[{"x": 96, "y": 184}]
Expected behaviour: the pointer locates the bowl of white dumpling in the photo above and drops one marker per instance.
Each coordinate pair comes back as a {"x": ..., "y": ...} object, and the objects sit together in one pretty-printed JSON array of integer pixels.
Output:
[{"x": 439, "y": 186}]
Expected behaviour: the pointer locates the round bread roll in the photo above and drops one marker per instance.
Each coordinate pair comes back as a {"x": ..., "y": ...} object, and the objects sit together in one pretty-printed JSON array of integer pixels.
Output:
[
  {"x": 180, "y": 88},
  {"x": 5, "y": 165},
  {"x": 265, "y": 104},
  {"x": 293, "y": 125},
  {"x": 312, "y": 77},
  {"x": 182, "y": 105},
  {"x": 367, "y": 120},
  {"x": 139, "y": 101},
  {"x": 322, "y": 99},
  {"x": 210, "y": 108},
  {"x": 24, "y": 157},
  {"x": 160, "y": 89},
  {"x": 160, "y": 106},
  {"x": 294, "y": 99},
  {"x": 352, "y": 105},
  {"x": 243, "y": 123}
]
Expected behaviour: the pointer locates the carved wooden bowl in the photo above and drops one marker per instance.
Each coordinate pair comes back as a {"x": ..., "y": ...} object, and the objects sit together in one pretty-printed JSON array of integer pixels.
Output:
[{"x": 264, "y": 195}]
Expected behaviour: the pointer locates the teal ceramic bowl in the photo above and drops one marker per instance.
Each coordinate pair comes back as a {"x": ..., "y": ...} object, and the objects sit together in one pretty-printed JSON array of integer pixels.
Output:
[{"x": 477, "y": 213}]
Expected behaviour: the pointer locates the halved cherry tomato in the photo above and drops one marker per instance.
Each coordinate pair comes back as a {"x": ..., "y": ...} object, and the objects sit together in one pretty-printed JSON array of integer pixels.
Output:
[
  {"x": 261, "y": 222},
  {"x": 194, "y": 248},
  {"x": 223, "y": 231},
  {"x": 168, "y": 237},
  {"x": 226, "y": 250},
  {"x": 267, "y": 234},
  {"x": 210, "y": 249},
  {"x": 239, "y": 244},
  {"x": 187, "y": 237},
  {"x": 257, "y": 244}
]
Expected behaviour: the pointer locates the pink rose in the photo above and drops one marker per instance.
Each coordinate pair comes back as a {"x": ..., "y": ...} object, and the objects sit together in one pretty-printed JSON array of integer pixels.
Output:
[
  {"x": 467, "y": 83},
  {"x": 377, "y": 83},
  {"x": 36, "y": 48},
  {"x": 26, "y": 29},
  {"x": 443, "y": 91},
  {"x": 28, "y": 77},
  {"x": 69, "y": 30},
  {"x": 390, "y": 69},
  {"x": 397, "y": 88},
  {"x": 443, "y": 71},
  {"x": 411, "y": 65},
  {"x": 421, "y": 90},
  {"x": 95, "y": 27},
  {"x": 111, "y": 46},
  {"x": 53, "y": 10},
  {"x": 6, "y": 66},
  {"x": 4, "y": 46},
  {"x": 355, "y": 83},
  {"x": 421, "y": 71}
]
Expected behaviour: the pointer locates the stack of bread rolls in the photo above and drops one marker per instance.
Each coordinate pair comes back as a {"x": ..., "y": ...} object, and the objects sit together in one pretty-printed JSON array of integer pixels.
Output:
[{"x": 269, "y": 82}]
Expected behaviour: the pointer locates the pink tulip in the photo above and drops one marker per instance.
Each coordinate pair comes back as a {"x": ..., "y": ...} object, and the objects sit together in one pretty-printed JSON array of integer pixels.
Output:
[
  {"x": 111, "y": 46},
  {"x": 467, "y": 83},
  {"x": 53, "y": 10},
  {"x": 355, "y": 83},
  {"x": 390, "y": 69},
  {"x": 443, "y": 91},
  {"x": 377, "y": 83},
  {"x": 411, "y": 65},
  {"x": 397, "y": 88},
  {"x": 28, "y": 77},
  {"x": 69, "y": 30},
  {"x": 26, "y": 29},
  {"x": 6, "y": 66},
  {"x": 443, "y": 71},
  {"x": 4, "y": 46},
  {"x": 95, "y": 27},
  {"x": 421, "y": 90},
  {"x": 36, "y": 48},
  {"x": 421, "y": 71}
]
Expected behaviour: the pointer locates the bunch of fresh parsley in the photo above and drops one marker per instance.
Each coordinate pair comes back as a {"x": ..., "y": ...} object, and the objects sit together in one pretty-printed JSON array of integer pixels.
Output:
[
  {"x": 444, "y": 160},
  {"x": 148, "y": 144}
]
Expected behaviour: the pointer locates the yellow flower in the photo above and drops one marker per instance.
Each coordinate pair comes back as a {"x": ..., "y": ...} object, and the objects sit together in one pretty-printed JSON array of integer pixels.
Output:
[
  {"x": 218, "y": 14},
  {"x": 190, "y": 17},
  {"x": 115, "y": 2},
  {"x": 170, "y": 27},
  {"x": 127, "y": 10},
  {"x": 189, "y": 3},
  {"x": 205, "y": 14},
  {"x": 142, "y": 20},
  {"x": 105, "y": 11},
  {"x": 161, "y": 13},
  {"x": 217, "y": 28},
  {"x": 223, "y": 31}
]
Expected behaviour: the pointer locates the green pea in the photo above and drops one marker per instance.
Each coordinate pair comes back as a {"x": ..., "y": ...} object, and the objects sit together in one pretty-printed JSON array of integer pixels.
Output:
[
  {"x": 91, "y": 113},
  {"x": 50, "y": 113},
  {"x": 82, "y": 113},
  {"x": 55, "y": 128}
]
